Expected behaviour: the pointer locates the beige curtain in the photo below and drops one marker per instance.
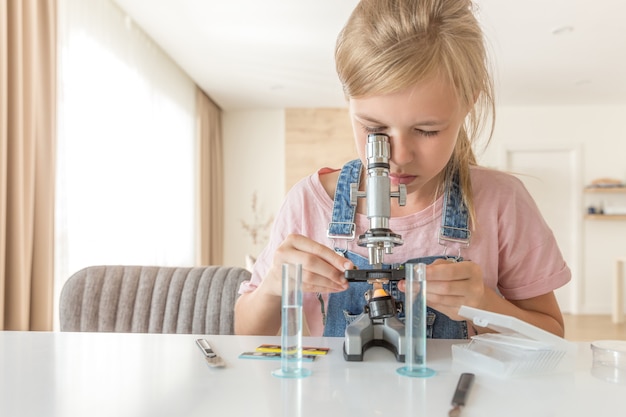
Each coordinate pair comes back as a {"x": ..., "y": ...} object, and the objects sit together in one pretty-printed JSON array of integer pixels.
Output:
[
  {"x": 211, "y": 180},
  {"x": 27, "y": 154}
]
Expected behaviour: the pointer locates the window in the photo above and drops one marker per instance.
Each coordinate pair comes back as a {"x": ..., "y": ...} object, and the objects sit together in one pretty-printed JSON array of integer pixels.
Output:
[{"x": 126, "y": 171}]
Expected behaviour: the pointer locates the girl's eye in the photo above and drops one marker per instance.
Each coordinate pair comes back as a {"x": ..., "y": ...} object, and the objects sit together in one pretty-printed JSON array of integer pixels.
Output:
[
  {"x": 380, "y": 129},
  {"x": 373, "y": 129},
  {"x": 428, "y": 133}
]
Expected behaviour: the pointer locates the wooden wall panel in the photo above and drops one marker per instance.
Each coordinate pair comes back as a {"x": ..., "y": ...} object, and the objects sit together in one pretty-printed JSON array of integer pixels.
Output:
[{"x": 316, "y": 138}]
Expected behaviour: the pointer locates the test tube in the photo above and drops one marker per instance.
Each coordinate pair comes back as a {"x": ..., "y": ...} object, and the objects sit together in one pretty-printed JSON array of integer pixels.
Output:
[
  {"x": 291, "y": 324},
  {"x": 415, "y": 323}
]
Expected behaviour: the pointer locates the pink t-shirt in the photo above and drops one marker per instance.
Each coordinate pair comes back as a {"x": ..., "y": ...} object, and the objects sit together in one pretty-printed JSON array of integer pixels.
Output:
[{"x": 511, "y": 242}]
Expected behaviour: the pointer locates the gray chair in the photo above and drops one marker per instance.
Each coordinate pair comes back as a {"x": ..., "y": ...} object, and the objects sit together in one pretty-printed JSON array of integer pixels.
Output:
[{"x": 149, "y": 299}]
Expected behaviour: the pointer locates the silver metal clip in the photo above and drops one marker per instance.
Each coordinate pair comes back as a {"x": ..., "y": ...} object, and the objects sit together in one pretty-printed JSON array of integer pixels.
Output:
[
  {"x": 452, "y": 258},
  {"x": 342, "y": 236},
  {"x": 464, "y": 241}
]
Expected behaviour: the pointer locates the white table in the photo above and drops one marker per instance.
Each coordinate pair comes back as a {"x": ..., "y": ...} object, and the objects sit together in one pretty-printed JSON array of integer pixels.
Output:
[{"x": 107, "y": 374}]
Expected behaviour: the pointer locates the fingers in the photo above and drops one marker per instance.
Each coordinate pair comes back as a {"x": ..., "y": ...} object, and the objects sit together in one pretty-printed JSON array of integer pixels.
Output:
[
  {"x": 446, "y": 271},
  {"x": 317, "y": 250},
  {"x": 322, "y": 268},
  {"x": 453, "y": 284}
]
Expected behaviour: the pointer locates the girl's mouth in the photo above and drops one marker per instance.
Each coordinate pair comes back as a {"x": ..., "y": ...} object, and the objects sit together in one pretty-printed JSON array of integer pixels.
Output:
[{"x": 401, "y": 179}]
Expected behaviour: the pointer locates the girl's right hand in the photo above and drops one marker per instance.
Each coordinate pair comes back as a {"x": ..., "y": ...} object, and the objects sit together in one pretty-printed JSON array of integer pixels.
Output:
[{"x": 323, "y": 270}]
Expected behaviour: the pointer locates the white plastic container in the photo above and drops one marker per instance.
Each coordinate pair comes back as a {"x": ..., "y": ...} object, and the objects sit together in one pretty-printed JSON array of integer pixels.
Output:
[
  {"x": 609, "y": 360},
  {"x": 611, "y": 210},
  {"x": 518, "y": 349}
]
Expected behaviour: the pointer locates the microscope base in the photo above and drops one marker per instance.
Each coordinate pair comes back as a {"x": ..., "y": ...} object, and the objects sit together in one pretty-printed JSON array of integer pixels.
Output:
[{"x": 365, "y": 332}]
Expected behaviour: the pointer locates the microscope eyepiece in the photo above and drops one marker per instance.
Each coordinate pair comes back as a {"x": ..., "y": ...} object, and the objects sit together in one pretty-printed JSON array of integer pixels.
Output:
[{"x": 379, "y": 239}]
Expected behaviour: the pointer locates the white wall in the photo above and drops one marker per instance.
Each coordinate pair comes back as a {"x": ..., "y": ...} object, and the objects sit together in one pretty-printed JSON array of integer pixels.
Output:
[
  {"x": 254, "y": 152},
  {"x": 599, "y": 129}
]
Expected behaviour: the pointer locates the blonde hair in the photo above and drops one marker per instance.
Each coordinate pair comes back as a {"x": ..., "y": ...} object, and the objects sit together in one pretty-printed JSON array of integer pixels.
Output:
[{"x": 389, "y": 45}]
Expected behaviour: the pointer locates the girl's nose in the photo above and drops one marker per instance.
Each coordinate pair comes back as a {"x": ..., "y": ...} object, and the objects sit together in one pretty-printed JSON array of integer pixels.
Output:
[{"x": 400, "y": 149}]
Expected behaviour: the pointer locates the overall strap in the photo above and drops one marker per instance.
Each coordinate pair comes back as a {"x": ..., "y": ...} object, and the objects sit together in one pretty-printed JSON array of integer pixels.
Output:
[
  {"x": 455, "y": 216},
  {"x": 342, "y": 224}
]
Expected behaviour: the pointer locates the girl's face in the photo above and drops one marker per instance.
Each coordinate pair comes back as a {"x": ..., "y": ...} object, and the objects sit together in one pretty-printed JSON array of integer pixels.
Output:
[{"x": 422, "y": 123}]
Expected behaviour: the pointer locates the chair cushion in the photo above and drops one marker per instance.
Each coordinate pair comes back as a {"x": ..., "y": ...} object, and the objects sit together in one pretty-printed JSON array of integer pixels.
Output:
[{"x": 150, "y": 299}]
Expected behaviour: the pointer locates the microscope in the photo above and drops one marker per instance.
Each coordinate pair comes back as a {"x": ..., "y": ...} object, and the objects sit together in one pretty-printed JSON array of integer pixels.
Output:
[{"x": 378, "y": 325}]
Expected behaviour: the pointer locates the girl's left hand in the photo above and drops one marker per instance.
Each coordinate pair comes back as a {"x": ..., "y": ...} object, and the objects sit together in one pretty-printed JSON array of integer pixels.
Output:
[{"x": 451, "y": 285}]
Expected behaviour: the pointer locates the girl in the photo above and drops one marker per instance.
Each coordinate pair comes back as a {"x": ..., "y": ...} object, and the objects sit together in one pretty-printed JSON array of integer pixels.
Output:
[{"x": 416, "y": 71}]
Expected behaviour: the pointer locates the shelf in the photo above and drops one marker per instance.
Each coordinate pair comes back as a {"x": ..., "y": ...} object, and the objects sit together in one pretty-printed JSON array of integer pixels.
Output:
[
  {"x": 610, "y": 190},
  {"x": 602, "y": 193},
  {"x": 605, "y": 216}
]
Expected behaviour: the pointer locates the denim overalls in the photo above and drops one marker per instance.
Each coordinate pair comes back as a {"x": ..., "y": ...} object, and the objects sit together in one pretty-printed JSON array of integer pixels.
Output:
[{"x": 346, "y": 306}]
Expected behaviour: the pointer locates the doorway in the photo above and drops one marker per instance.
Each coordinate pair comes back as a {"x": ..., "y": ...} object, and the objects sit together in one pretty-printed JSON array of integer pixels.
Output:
[{"x": 552, "y": 176}]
